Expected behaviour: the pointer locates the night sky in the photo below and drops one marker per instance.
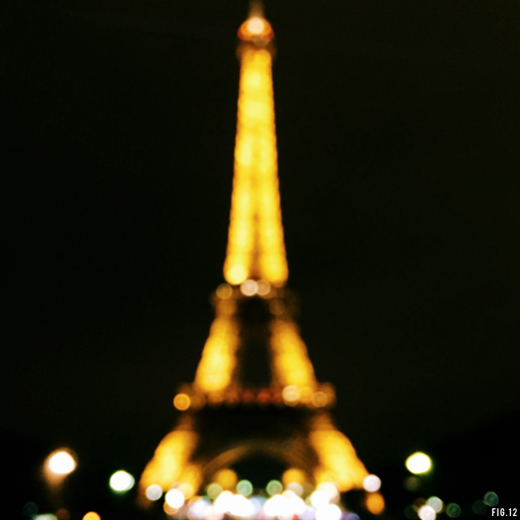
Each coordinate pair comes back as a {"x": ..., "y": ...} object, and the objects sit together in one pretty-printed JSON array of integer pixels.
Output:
[{"x": 398, "y": 133}]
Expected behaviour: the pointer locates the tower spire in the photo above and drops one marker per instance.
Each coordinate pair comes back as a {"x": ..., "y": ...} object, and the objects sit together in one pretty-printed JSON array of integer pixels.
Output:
[
  {"x": 256, "y": 8},
  {"x": 256, "y": 248}
]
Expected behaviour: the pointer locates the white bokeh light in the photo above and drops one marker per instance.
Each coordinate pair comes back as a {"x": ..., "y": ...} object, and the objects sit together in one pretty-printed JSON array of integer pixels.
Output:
[
  {"x": 427, "y": 513},
  {"x": 174, "y": 498},
  {"x": 62, "y": 463},
  {"x": 371, "y": 483},
  {"x": 154, "y": 492},
  {"x": 329, "y": 512},
  {"x": 121, "y": 481},
  {"x": 418, "y": 463}
]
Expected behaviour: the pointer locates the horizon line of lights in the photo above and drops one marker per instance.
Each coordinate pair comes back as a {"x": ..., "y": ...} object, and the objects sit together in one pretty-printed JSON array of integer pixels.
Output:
[{"x": 321, "y": 503}]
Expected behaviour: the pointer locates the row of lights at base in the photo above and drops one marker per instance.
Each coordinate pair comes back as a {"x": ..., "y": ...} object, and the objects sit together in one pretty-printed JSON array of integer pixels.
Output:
[{"x": 320, "y": 504}]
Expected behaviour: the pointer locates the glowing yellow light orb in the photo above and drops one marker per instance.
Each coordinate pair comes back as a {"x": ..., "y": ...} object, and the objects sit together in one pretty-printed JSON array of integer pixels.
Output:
[
  {"x": 62, "y": 463},
  {"x": 226, "y": 478},
  {"x": 291, "y": 395},
  {"x": 255, "y": 25},
  {"x": 375, "y": 503},
  {"x": 264, "y": 288},
  {"x": 418, "y": 463},
  {"x": 224, "y": 291},
  {"x": 293, "y": 475},
  {"x": 256, "y": 28},
  {"x": 236, "y": 275},
  {"x": 182, "y": 402},
  {"x": 91, "y": 516},
  {"x": 319, "y": 399},
  {"x": 249, "y": 288}
]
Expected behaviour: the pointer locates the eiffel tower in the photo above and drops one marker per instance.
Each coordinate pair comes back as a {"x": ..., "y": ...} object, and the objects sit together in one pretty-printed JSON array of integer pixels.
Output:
[{"x": 255, "y": 394}]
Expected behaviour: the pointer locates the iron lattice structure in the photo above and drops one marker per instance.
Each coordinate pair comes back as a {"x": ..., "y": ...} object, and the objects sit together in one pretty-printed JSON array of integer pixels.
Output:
[{"x": 255, "y": 392}]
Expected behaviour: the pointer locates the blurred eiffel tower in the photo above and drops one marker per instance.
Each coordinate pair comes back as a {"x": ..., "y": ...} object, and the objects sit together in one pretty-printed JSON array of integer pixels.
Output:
[{"x": 255, "y": 394}]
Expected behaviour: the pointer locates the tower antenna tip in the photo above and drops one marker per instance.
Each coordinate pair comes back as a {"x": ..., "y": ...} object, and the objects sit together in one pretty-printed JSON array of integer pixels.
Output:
[{"x": 256, "y": 8}]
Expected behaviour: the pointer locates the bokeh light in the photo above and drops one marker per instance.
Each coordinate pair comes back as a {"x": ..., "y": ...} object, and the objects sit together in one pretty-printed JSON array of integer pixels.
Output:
[
  {"x": 255, "y": 25},
  {"x": 227, "y": 478},
  {"x": 264, "y": 288},
  {"x": 182, "y": 402},
  {"x": 296, "y": 488},
  {"x": 62, "y": 514},
  {"x": 291, "y": 394},
  {"x": 371, "y": 483},
  {"x": 199, "y": 509},
  {"x": 319, "y": 499},
  {"x": 30, "y": 509},
  {"x": 412, "y": 483},
  {"x": 121, "y": 481},
  {"x": 491, "y": 498},
  {"x": 426, "y": 513},
  {"x": 187, "y": 490},
  {"x": 241, "y": 506},
  {"x": 276, "y": 506},
  {"x": 418, "y": 463},
  {"x": 244, "y": 487},
  {"x": 293, "y": 475},
  {"x": 479, "y": 507},
  {"x": 153, "y": 492},
  {"x": 174, "y": 498},
  {"x": 61, "y": 462},
  {"x": 224, "y": 291},
  {"x": 91, "y": 516},
  {"x": 249, "y": 288},
  {"x": 214, "y": 490},
  {"x": 295, "y": 504},
  {"x": 453, "y": 510},
  {"x": 375, "y": 503},
  {"x": 223, "y": 502},
  {"x": 319, "y": 399},
  {"x": 435, "y": 503},
  {"x": 330, "y": 489},
  {"x": 329, "y": 512},
  {"x": 274, "y": 487}
]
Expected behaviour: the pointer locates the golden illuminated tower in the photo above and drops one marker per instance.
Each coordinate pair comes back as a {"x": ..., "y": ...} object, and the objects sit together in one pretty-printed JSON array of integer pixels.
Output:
[{"x": 255, "y": 393}]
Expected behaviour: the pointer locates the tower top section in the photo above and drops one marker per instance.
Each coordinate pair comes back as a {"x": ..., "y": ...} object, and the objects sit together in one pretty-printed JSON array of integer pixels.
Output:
[
  {"x": 256, "y": 248},
  {"x": 256, "y": 29}
]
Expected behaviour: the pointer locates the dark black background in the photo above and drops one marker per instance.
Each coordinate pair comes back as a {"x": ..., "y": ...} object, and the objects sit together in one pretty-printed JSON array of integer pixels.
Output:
[{"x": 398, "y": 135}]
